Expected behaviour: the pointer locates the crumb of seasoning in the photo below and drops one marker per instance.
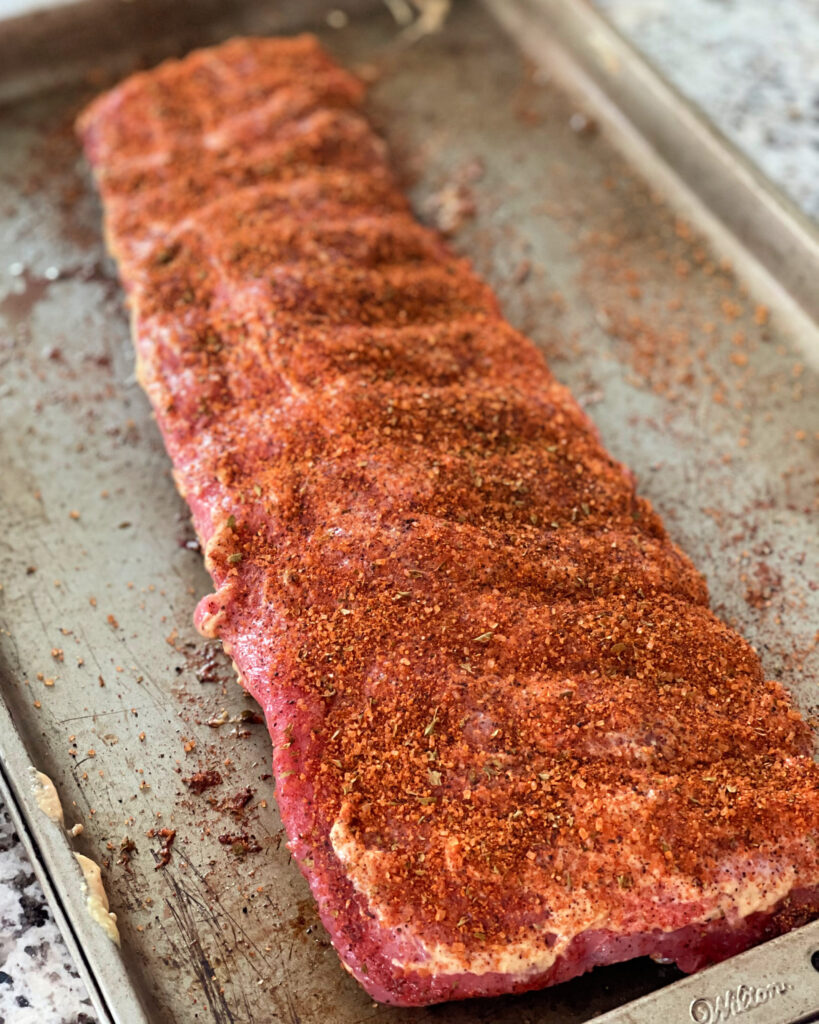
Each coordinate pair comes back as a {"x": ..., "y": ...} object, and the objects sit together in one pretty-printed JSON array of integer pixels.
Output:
[
  {"x": 240, "y": 844},
  {"x": 112, "y": 622},
  {"x": 126, "y": 847},
  {"x": 236, "y": 804},
  {"x": 57, "y": 654},
  {"x": 522, "y": 272},
  {"x": 167, "y": 835},
  {"x": 452, "y": 205},
  {"x": 247, "y": 715},
  {"x": 142, "y": 737},
  {"x": 74, "y": 514},
  {"x": 200, "y": 781}
]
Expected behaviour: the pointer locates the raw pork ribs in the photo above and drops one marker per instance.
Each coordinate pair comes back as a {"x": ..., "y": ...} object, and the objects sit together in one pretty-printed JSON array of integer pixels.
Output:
[{"x": 511, "y": 739}]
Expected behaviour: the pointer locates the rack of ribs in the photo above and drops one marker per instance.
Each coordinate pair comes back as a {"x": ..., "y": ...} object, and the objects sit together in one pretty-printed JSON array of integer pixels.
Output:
[{"x": 511, "y": 740}]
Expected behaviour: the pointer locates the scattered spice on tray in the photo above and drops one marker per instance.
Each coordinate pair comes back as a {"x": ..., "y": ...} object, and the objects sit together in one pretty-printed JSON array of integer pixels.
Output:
[
  {"x": 209, "y": 663},
  {"x": 201, "y": 781},
  {"x": 240, "y": 844},
  {"x": 767, "y": 583},
  {"x": 236, "y": 804},
  {"x": 168, "y": 835},
  {"x": 126, "y": 847}
]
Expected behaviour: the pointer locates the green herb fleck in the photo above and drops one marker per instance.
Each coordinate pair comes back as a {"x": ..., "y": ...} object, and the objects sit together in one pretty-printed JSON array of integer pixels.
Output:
[{"x": 430, "y": 729}]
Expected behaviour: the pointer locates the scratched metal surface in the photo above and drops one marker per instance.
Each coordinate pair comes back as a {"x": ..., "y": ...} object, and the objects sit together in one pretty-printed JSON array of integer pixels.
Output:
[{"x": 698, "y": 389}]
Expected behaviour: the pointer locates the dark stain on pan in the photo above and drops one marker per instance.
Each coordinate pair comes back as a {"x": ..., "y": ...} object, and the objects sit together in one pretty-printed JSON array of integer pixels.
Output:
[
  {"x": 181, "y": 909},
  {"x": 28, "y": 288},
  {"x": 25, "y": 293},
  {"x": 200, "y": 917}
]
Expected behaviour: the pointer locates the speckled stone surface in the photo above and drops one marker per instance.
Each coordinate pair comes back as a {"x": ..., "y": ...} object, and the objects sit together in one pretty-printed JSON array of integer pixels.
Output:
[
  {"x": 38, "y": 982},
  {"x": 754, "y": 68},
  {"x": 751, "y": 65}
]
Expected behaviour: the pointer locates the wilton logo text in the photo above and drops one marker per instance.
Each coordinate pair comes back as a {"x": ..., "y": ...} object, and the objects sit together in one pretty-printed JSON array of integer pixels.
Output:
[{"x": 734, "y": 1001}]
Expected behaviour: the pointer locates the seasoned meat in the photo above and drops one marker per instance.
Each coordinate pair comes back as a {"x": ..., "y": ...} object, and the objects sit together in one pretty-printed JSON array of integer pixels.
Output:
[{"x": 511, "y": 740}]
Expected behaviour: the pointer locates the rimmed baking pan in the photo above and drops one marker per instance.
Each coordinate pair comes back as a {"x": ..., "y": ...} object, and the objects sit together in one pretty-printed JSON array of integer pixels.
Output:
[{"x": 694, "y": 354}]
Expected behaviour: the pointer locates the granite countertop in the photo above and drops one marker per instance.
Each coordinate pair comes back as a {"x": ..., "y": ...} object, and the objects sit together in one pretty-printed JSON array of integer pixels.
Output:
[
  {"x": 38, "y": 981},
  {"x": 755, "y": 69}
]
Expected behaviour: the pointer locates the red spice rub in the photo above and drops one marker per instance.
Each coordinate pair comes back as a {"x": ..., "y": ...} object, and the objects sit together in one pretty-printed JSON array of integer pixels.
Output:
[
  {"x": 167, "y": 835},
  {"x": 511, "y": 739},
  {"x": 200, "y": 781}
]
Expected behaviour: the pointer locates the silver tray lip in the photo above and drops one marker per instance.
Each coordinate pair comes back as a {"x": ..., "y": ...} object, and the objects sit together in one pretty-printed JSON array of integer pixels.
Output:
[
  {"x": 115, "y": 997},
  {"x": 98, "y": 961},
  {"x": 780, "y": 968}
]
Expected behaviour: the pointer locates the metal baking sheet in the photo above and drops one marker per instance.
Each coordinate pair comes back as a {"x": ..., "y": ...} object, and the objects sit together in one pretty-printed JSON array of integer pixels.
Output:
[{"x": 693, "y": 378}]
